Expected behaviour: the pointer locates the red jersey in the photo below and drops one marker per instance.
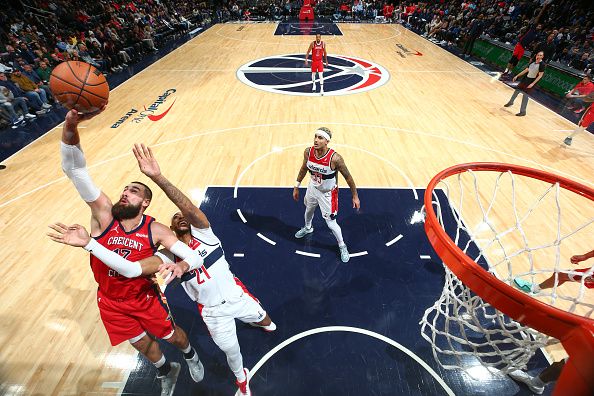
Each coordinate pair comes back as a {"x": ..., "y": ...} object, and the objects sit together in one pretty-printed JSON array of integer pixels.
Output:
[
  {"x": 134, "y": 246},
  {"x": 317, "y": 51}
]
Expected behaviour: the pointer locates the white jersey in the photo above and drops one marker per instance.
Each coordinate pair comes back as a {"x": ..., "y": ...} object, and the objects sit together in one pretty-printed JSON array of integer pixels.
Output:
[
  {"x": 323, "y": 177},
  {"x": 213, "y": 283}
]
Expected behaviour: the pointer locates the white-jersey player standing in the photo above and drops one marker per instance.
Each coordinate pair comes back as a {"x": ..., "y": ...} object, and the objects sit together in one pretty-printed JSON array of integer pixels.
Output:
[{"x": 323, "y": 163}]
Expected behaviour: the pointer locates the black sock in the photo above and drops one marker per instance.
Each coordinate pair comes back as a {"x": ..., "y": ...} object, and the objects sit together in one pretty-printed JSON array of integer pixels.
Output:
[
  {"x": 190, "y": 355},
  {"x": 164, "y": 369}
]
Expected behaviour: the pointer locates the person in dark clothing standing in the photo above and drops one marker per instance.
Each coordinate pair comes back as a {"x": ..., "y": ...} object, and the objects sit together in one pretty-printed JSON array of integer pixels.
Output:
[
  {"x": 548, "y": 47},
  {"x": 534, "y": 73},
  {"x": 476, "y": 29}
]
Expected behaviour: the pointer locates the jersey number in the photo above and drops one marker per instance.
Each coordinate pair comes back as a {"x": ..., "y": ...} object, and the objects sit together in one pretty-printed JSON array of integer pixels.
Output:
[
  {"x": 123, "y": 252},
  {"x": 202, "y": 271},
  {"x": 317, "y": 178}
]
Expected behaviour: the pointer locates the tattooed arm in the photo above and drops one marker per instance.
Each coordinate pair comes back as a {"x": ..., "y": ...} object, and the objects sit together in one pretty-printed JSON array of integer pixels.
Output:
[
  {"x": 339, "y": 165},
  {"x": 149, "y": 166}
]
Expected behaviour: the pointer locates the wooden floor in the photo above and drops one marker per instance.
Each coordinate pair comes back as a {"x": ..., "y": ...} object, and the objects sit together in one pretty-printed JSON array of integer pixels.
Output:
[{"x": 435, "y": 111}]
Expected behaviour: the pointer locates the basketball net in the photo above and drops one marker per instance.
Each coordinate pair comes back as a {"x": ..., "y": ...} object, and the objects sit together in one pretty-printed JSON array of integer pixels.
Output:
[{"x": 513, "y": 226}]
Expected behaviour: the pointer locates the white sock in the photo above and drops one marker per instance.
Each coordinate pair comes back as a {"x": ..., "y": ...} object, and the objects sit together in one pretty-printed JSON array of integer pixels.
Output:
[
  {"x": 309, "y": 215},
  {"x": 313, "y": 78},
  {"x": 335, "y": 228}
]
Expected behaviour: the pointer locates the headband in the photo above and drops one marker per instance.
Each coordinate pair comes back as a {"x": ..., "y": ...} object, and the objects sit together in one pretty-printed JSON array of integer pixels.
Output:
[{"x": 323, "y": 134}]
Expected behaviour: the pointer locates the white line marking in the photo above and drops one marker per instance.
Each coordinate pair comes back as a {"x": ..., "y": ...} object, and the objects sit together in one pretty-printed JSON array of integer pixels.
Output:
[
  {"x": 363, "y": 253},
  {"x": 424, "y": 257},
  {"x": 349, "y": 329},
  {"x": 270, "y": 241},
  {"x": 393, "y": 241},
  {"x": 370, "y": 126},
  {"x": 241, "y": 216},
  {"x": 116, "y": 385},
  {"x": 238, "y": 255},
  {"x": 400, "y": 171},
  {"x": 307, "y": 254}
]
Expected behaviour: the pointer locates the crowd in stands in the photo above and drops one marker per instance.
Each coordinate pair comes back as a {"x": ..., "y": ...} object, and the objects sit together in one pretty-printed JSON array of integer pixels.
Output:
[
  {"x": 37, "y": 35},
  {"x": 111, "y": 34}
]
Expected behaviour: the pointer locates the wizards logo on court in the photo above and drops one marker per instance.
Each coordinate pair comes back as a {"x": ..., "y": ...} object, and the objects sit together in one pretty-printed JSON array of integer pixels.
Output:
[{"x": 288, "y": 74}]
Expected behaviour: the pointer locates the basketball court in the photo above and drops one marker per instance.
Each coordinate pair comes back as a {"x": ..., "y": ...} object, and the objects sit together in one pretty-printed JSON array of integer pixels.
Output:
[{"x": 228, "y": 115}]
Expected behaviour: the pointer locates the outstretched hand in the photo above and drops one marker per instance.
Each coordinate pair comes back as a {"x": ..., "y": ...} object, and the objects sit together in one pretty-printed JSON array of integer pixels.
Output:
[
  {"x": 146, "y": 160},
  {"x": 74, "y": 235},
  {"x": 75, "y": 117},
  {"x": 356, "y": 203},
  {"x": 170, "y": 271}
]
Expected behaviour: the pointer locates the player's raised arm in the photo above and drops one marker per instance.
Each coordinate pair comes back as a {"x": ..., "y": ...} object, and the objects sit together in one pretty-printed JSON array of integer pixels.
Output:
[
  {"x": 149, "y": 166},
  {"x": 339, "y": 164},
  {"x": 300, "y": 175},
  {"x": 74, "y": 166}
]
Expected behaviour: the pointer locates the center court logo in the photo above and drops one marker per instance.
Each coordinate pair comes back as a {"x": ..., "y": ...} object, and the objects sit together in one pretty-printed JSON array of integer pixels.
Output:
[
  {"x": 287, "y": 74},
  {"x": 154, "y": 112}
]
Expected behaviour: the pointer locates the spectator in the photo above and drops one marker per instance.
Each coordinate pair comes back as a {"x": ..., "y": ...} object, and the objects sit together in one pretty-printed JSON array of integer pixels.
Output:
[
  {"x": 474, "y": 31},
  {"x": 33, "y": 76},
  {"x": 36, "y": 96},
  {"x": 44, "y": 72},
  {"x": 15, "y": 97}
]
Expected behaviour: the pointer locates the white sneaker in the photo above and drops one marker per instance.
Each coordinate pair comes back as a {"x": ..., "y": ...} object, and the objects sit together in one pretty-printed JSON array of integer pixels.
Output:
[
  {"x": 521, "y": 376},
  {"x": 46, "y": 106},
  {"x": 269, "y": 329},
  {"x": 303, "y": 232},
  {"x": 168, "y": 382},
  {"x": 344, "y": 254},
  {"x": 243, "y": 388},
  {"x": 313, "y": 88},
  {"x": 322, "y": 90},
  {"x": 30, "y": 116},
  {"x": 21, "y": 118},
  {"x": 196, "y": 368}
]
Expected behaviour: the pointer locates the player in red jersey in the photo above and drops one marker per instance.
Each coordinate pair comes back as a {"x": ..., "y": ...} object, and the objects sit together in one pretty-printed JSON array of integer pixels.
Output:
[
  {"x": 323, "y": 163},
  {"x": 221, "y": 297},
  {"x": 318, "y": 53},
  {"x": 129, "y": 304}
]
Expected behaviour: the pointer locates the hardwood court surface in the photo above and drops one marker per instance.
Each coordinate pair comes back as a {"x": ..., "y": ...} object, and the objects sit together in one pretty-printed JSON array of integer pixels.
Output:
[{"x": 435, "y": 111}]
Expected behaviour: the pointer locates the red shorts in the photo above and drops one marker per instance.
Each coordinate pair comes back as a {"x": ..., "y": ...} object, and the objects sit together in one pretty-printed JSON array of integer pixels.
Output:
[
  {"x": 317, "y": 66},
  {"x": 588, "y": 117},
  {"x": 129, "y": 318},
  {"x": 588, "y": 282},
  {"x": 518, "y": 51}
]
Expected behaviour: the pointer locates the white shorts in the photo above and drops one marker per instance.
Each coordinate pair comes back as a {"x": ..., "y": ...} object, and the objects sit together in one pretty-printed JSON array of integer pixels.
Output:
[
  {"x": 328, "y": 201},
  {"x": 220, "y": 319}
]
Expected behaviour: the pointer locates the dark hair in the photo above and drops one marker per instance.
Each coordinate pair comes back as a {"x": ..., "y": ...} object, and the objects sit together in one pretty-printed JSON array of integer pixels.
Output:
[{"x": 148, "y": 193}]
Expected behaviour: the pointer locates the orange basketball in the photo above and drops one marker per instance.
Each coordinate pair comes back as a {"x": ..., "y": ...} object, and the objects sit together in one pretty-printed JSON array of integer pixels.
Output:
[{"x": 80, "y": 86}]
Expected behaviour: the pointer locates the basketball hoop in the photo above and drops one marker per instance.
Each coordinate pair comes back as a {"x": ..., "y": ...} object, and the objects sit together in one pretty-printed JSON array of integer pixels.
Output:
[{"x": 478, "y": 300}]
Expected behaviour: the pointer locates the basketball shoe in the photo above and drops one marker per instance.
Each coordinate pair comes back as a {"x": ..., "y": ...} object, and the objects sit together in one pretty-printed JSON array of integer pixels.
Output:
[
  {"x": 269, "y": 329},
  {"x": 525, "y": 286},
  {"x": 344, "y": 253},
  {"x": 168, "y": 381},
  {"x": 303, "y": 232},
  {"x": 196, "y": 368},
  {"x": 243, "y": 388}
]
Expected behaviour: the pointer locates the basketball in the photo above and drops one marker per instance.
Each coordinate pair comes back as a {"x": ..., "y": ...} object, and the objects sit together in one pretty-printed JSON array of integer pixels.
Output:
[{"x": 78, "y": 85}]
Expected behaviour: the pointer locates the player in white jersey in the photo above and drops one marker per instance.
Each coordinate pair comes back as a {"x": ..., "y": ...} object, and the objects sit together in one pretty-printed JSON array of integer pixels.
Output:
[
  {"x": 221, "y": 297},
  {"x": 323, "y": 163}
]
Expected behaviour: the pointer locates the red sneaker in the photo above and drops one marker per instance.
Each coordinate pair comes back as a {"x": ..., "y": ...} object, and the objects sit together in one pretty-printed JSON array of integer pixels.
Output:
[{"x": 244, "y": 387}]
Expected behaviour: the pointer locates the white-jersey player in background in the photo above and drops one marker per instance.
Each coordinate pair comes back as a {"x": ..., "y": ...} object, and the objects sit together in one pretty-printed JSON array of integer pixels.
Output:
[
  {"x": 221, "y": 297},
  {"x": 323, "y": 163}
]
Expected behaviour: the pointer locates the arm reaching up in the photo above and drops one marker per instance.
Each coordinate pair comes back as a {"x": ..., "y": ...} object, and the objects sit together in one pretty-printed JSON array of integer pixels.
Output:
[{"x": 150, "y": 167}]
